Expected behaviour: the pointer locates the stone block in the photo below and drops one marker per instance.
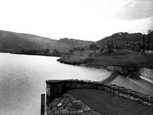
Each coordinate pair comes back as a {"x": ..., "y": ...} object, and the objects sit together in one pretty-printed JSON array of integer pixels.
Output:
[
  {"x": 59, "y": 104},
  {"x": 56, "y": 112},
  {"x": 62, "y": 100},
  {"x": 69, "y": 104},
  {"x": 84, "y": 113},
  {"x": 73, "y": 98},
  {"x": 49, "y": 111},
  {"x": 54, "y": 108},
  {"x": 60, "y": 108},
  {"x": 66, "y": 95},
  {"x": 83, "y": 105},
  {"x": 76, "y": 112},
  {"x": 64, "y": 111},
  {"x": 94, "y": 113},
  {"x": 76, "y": 101},
  {"x": 86, "y": 109}
]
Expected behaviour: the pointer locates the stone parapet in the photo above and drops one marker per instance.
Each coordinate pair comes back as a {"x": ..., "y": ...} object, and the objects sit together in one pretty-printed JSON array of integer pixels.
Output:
[
  {"x": 69, "y": 105},
  {"x": 55, "y": 88}
]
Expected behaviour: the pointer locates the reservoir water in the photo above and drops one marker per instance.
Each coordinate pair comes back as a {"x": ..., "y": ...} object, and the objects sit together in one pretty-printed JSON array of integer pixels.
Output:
[{"x": 22, "y": 80}]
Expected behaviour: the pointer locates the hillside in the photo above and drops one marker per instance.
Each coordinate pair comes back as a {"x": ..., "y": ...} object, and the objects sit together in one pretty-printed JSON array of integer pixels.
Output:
[
  {"x": 121, "y": 49},
  {"x": 65, "y": 43},
  {"x": 11, "y": 41},
  {"x": 124, "y": 40}
]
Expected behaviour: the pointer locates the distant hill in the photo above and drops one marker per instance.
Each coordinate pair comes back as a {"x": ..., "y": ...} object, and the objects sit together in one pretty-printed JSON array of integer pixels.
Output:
[
  {"x": 126, "y": 40},
  {"x": 65, "y": 43},
  {"x": 11, "y": 41}
]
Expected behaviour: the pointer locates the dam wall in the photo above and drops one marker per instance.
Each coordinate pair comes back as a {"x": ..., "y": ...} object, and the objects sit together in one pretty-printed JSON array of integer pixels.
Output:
[{"x": 135, "y": 72}]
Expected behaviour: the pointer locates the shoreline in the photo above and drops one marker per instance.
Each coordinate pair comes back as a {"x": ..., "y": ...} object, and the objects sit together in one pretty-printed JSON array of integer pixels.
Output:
[
  {"x": 48, "y": 55},
  {"x": 87, "y": 63}
]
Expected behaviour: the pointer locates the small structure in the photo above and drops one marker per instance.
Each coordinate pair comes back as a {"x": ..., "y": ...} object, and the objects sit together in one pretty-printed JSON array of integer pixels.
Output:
[{"x": 125, "y": 70}]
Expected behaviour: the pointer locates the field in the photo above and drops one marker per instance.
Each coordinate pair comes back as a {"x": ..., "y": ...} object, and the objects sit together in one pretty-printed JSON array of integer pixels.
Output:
[{"x": 123, "y": 58}]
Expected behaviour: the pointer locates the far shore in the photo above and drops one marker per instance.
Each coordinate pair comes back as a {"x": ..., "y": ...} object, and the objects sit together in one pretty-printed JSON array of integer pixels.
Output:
[{"x": 120, "y": 58}]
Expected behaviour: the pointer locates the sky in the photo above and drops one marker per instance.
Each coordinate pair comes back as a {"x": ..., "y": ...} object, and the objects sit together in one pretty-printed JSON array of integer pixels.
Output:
[{"x": 78, "y": 19}]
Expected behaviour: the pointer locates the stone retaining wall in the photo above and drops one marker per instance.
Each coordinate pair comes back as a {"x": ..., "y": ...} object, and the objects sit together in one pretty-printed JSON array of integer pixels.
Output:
[
  {"x": 55, "y": 88},
  {"x": 126, "y": 70},
  {"x": 148, "y": 73},
  {"x": 134, "y": 71}
]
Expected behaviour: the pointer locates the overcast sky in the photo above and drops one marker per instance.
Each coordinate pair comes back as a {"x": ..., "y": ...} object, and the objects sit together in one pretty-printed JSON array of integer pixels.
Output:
[{"x": 78, "y": 19}]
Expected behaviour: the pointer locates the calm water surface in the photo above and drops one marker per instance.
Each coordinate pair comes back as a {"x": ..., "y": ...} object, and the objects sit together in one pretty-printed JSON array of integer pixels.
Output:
[{"x": 22, "y": 80}]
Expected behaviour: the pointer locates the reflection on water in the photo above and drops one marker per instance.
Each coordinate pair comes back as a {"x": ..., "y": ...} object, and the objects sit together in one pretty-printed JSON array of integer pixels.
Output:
[{"x": 22, "y": 80}]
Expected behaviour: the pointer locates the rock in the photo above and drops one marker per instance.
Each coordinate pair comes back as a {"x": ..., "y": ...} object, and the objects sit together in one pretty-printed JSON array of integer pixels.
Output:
[
  {"x": 76, "y": 112},
  {"x": 64, "y": 111},
  {"x": 86, "y": 109},
  {"x": 59, "y": 105},
  {"x": 56, "y": 112},
  {"x": 76, "y": 101}
]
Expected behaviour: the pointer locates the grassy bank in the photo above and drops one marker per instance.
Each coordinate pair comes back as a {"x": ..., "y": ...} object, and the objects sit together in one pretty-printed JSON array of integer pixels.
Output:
[
  {"x": 121, "y": 58},
  {"x": 110, "y": 104},
  {"x": 125, "y": 58},
  {"x": 76, "y": 59}
]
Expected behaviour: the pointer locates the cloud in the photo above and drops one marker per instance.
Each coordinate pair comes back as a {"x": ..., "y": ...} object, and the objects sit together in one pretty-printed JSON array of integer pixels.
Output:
[
  {"x": 128, "y": 4},
  {"x": 132, "y": 10}
]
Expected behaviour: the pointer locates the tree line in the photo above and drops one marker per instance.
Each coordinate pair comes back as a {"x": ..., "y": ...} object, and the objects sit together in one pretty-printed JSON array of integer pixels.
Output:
[{"x": 46, "y": 52}]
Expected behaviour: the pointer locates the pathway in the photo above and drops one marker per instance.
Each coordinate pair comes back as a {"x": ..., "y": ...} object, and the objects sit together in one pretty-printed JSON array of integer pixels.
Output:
[{"x": 69, "y": 105}]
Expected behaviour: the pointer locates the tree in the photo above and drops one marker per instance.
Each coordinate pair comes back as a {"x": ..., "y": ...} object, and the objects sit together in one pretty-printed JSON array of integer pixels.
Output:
[
  {"x": 71, "y": 51},
  {"x": 93, "y": 47},
  {"x": 82, "y": 49},
  {"x": 23, "y": 51},
  {"x": 56, "y": 52},
  {"x": 137, "y": 48},
  {"x": 143, "y": 43},
  {"x": 46, "y": 51},
  {"x": 76, "y": 49},
  {"x": 109, "y": 48},
  {"x": 101, "y": 50}
]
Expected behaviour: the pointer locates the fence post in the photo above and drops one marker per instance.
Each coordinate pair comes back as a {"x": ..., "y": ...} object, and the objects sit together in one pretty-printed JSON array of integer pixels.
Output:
[{"x": 42, "y": 104}]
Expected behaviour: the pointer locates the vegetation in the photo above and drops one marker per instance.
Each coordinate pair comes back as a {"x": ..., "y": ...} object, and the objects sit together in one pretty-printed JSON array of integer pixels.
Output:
[
  {"x": 71, "y": 51},
  {"x": 124, "y": 58},
  {"x": 93, "y": 47},
  {"x": 110, "y": 104},
  {"x": 118, "y": 49},
  {"x": 45, "y": 52},
  {"x": 56, "y": 53},
  {"x": 118, "y": 57},
  {"x": 134, "y": 41},
  {"x": 15, "y": 42}
]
